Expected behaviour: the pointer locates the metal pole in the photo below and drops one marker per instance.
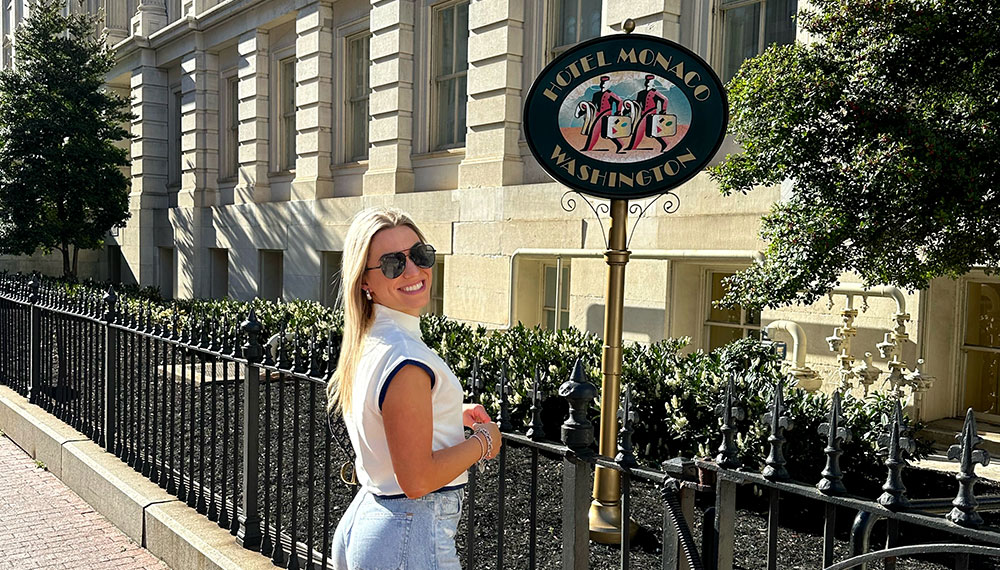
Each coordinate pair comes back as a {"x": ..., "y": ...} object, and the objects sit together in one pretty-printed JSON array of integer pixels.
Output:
[
  {"x": 605, "y": 510},
  {"x": 35, "y": 341}
]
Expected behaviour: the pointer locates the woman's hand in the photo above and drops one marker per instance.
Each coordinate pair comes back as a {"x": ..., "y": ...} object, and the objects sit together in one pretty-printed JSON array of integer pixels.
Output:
[
  {"x": 497, "y": 439},
  {"x": 474, "y": 414}
]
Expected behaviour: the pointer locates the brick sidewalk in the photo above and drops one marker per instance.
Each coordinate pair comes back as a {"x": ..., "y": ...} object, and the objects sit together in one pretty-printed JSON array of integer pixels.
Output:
[{"x": 43, "y": 524}]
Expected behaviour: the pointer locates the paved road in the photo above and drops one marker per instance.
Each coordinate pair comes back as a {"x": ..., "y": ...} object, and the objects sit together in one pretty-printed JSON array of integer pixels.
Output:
[{"x": 43, "y": 524}]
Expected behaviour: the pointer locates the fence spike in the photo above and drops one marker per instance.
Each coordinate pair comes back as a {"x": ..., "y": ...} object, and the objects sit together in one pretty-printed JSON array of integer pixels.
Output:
[
  {"x": 284, "y": 360},
  {"x": 536, "y": 430},
  {"x": 313, "y": 370},
  {"x": 627, "y": 415},
  {"x": 774, "y": 469},
  {"x": 832, "y": 482},
  {"x": 895, "y": 442},
  {"x": 577, "y": 431},
  {"x": 505, "y": 423},
  {"x": 728, "y": 456},
  {"x": 964, "y": 505}
]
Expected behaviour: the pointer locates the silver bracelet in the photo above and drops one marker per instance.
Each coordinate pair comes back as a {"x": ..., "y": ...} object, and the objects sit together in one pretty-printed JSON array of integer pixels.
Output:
[
  {"x": 482, "y": 447},
  {"x": 489, "y": 442}
]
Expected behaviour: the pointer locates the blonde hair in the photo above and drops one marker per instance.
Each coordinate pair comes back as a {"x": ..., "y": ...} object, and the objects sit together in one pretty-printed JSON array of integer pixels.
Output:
[{"x": 359, "y": 312}]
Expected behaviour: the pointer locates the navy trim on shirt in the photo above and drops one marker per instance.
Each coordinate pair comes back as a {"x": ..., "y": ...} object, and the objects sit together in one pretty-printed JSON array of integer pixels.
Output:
[{"x": 408, "y": 361}]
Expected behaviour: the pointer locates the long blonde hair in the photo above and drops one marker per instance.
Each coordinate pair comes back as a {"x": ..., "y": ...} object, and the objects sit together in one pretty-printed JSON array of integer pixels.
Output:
[{"x": 359, "y": 312}]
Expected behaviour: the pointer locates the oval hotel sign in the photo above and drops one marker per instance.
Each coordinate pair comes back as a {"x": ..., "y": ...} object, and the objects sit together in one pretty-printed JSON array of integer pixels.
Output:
[{"x": 625, "y": 116}]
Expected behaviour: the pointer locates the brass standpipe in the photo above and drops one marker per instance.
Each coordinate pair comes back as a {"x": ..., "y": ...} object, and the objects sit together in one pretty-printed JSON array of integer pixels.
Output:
[{"x": 605, "y": 510}]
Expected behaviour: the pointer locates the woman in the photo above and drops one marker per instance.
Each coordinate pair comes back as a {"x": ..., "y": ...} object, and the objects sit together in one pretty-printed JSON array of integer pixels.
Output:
[{"x": 402, "y": 406}]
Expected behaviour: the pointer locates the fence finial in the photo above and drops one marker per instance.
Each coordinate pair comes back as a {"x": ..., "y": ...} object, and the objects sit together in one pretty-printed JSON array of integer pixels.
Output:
[
  {"x": 577, "y": 431},
  {"x": 252, "y": 350},
  {"x": 536, "y": 430},
  {"x": 110, "y": 301},
  {"x": 627, "y": 415},
  {"x": 895, "y": 443},
  {"x": 775, "y": 468},
  {"x": 965, "y": 503},
  {"x": 33, "y": 285},
  {"x": 832, "y": 482},
  {"x": 728, "y": 456},
  {"x": 504, "y": 392}
]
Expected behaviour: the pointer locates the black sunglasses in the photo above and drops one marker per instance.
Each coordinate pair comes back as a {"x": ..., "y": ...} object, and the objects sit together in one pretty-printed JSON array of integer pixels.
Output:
[{"x": 393, "y": 264}]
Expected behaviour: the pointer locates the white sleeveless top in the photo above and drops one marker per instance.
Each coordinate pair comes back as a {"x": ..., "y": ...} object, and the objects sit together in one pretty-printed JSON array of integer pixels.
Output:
[{"x": 393, "y": 342}]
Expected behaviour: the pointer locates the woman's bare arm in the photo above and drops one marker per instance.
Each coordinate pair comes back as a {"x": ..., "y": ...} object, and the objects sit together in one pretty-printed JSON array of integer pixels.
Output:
[{"x": 407, "y": 416}]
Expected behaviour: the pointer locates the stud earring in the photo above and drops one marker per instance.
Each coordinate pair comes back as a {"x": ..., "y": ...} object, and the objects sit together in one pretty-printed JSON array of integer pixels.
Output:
[{"x": 368, "y": 294}]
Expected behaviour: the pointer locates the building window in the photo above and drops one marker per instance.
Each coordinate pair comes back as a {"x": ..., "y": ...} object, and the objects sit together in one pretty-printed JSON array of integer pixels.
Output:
[
  {"x": 357, "y": 67},
  {"x": 286, "y": 140},
  {"x": 270, "y": 283},
  {"x": 436, "y": 304},
  {"x": 555, "y": 302},
  {"x": 330, "y": 277},
  {"x": 451, "y": 63},
  {"x": 174, "y": 145},
  {"x": 219, "y": 271},
  {"x": 749, "y": 26},
  {"x": 982, "y": 347},
  {"x": 723, "y": 326},
  {"x": 232, "y": 129},
  {"x": 571, "y": 22}
]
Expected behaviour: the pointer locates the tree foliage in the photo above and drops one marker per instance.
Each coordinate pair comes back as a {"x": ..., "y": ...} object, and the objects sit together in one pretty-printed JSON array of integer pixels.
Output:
[
  {"x": 888, "y": 126},
  {"x": 61, "y": 184}
]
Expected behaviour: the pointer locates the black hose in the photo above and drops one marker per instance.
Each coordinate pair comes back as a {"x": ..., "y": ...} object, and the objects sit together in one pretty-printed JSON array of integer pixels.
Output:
[{"x": 671, "y": 496}]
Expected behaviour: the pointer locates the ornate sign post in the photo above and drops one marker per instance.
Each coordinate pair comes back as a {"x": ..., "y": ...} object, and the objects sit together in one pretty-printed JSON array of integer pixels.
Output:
[{"x": 622, "y": 117}]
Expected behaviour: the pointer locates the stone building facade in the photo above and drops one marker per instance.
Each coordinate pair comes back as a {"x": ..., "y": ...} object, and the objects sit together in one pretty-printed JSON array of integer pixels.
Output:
[{"x": 262, "y": 126}]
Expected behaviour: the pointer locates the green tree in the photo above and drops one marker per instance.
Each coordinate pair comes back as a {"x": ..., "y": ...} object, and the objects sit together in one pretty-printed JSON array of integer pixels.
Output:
[
  {"x": 887, "y": 128},
  {"x": 61, "y": 184}
]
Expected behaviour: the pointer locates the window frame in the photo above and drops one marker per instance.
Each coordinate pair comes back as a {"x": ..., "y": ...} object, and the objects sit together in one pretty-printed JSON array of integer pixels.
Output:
[
  {"x": 351, "y": 100},
  {"x": 436, "y": 79},
  {"x": 963, "y": 346},
  {"x": 229, "y": 127},
  {"x": 561, "y": 285},
  {"x": 285, "y": 105},
  {"x": 720, "y": 8},
  {"x": 552, "y": 50},
  {"x": 744, "y": 323}
]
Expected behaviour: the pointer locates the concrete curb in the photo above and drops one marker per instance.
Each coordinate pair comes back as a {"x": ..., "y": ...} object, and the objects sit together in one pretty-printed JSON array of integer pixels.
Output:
[{"x": 164, "y": 525}]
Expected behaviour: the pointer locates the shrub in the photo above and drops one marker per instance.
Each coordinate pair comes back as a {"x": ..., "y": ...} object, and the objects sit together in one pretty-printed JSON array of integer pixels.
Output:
[{"x": 675, "y": 394}]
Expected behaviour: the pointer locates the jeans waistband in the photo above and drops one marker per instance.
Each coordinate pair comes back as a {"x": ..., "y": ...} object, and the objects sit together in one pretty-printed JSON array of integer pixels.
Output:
[{"x": 403, "y": 495}]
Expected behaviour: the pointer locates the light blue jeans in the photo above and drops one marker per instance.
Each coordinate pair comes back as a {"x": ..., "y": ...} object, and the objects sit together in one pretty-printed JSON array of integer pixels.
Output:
[{"x": 378, "y": 533}]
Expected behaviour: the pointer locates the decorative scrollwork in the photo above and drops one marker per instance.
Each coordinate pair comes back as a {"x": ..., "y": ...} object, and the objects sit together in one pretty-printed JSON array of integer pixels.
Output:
[
  {"x": 638, "y": 210},
  {"x": 672, "y": 202},
  {"x": 568, "y": 203}
]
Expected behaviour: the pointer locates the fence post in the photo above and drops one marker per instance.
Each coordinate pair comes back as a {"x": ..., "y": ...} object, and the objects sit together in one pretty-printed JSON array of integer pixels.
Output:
[
  {"x": 110, "y": 371},
  {"x": 578, "y": 474},
  {"x": 35, "y": 344},
  {"x": 249, "y": 534}
]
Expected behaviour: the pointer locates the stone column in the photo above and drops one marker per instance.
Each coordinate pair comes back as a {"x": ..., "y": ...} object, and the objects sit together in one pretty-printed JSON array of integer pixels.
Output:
[
  {"x": 314, "y": 102},
  {"x": 496, "y": 40},
  {"x": 390, "y": 132},
  {"x": 150, "y": 15},
  {"x": 660, "y": 18},
  {"x": 199, "y": 129},
  {"x": 116, "y": 21},
  {"x": 252, "y": 185},
  {"x": 149, "y": 165}
]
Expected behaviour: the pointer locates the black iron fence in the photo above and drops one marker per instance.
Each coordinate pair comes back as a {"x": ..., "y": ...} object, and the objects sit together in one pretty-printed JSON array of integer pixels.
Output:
[{"x": 237, "y": 429}]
